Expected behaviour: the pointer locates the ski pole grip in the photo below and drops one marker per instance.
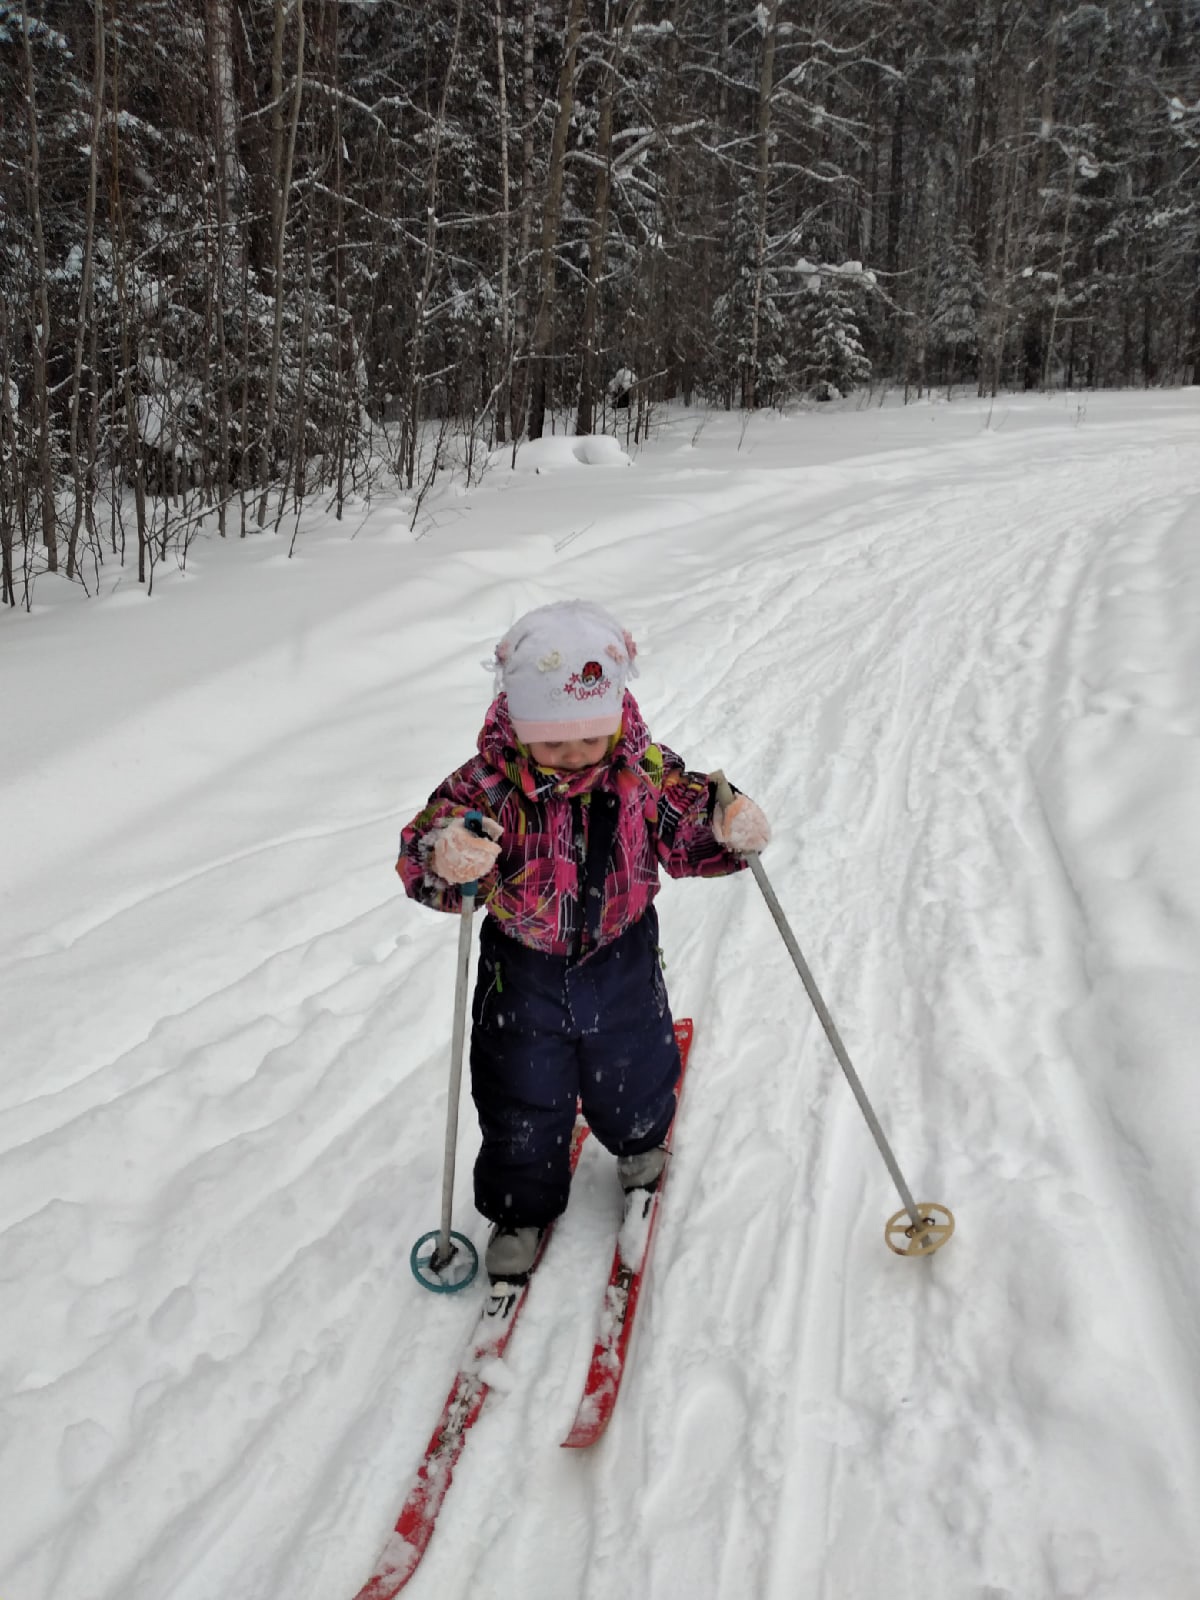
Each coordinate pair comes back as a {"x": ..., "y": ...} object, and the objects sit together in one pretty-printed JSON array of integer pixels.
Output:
[
  {"x": 721, "y": 784},
  {"x": 473, "y": 822}
]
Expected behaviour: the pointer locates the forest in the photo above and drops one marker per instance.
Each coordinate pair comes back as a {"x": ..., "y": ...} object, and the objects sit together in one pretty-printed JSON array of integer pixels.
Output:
[{"x": 256, "y": 250}]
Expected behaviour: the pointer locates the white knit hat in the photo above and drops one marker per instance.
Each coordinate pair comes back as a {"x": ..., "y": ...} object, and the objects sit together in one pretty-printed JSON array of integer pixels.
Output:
[{"x": 563, "y": 668}]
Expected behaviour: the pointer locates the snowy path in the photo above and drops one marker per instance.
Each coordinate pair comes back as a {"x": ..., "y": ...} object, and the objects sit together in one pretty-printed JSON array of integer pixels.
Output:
[{"x": 960, "y": 674}]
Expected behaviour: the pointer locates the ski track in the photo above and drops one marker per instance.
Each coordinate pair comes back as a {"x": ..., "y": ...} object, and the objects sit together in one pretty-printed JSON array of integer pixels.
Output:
[{"x": 918, "y": 648}]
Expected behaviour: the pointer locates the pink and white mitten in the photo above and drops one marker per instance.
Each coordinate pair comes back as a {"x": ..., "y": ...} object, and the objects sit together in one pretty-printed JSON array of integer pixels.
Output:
[
  {"x": 742, "y": 826},
  {"x": 460, "y": 856}
]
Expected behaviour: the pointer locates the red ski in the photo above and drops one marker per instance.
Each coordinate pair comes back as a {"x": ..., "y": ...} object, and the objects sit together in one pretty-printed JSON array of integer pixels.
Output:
[
  {"x": 414, "y": 1526},
  {"x": 621, "y": 1297}
]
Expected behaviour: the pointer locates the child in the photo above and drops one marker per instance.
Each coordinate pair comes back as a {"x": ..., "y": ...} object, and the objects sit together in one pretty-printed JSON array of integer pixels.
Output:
[{"x": 579, "y": 810}]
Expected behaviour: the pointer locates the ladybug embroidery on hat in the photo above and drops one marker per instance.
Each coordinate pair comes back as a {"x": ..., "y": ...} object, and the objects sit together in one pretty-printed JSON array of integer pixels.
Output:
[{"x": 589, "y": 683}]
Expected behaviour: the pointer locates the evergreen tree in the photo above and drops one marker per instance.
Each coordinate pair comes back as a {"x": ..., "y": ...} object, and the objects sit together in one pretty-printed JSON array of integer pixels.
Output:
[
  {"x": 957, "y": 301},
  {"x": 742, "y": 356},
  {"x": 832, "y": 358}
]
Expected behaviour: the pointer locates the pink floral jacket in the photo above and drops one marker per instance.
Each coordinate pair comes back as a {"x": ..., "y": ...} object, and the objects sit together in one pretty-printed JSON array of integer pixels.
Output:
[{"x": 663, "y": 816}]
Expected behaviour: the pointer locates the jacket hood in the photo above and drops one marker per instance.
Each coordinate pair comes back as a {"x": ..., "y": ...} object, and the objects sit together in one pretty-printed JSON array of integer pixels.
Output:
[{"x": 501, "y": 749}]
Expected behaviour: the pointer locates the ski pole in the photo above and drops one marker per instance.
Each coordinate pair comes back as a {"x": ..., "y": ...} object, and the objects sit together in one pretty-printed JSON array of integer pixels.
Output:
[
  {"x": 930, "y": 1224},
  {"x": 431, "y": 1270}
]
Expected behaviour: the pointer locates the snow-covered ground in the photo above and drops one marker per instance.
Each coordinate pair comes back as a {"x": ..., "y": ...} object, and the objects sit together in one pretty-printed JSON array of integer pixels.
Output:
[{"x": 954, "y": 650}]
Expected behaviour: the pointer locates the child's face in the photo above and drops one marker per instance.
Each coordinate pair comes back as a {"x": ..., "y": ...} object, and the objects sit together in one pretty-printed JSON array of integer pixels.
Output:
[{"x": 570, "y": 755}]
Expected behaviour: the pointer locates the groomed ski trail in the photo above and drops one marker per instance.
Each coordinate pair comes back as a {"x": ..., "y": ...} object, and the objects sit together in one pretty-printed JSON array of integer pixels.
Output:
[
  {"x": 925, "y": 885},
  {"x": 906, "y": 673}
]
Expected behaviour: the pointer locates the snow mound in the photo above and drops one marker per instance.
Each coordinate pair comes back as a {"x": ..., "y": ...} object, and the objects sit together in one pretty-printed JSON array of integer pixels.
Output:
[{"x": 562, "y": 452}]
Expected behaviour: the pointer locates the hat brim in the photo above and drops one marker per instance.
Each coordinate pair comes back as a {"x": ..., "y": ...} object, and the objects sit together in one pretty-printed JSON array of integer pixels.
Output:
[{"x": 553, "y": 732}]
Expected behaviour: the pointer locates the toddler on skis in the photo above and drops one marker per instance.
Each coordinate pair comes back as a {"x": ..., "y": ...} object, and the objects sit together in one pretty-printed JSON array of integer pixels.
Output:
[{"x": 579, "y": 810}]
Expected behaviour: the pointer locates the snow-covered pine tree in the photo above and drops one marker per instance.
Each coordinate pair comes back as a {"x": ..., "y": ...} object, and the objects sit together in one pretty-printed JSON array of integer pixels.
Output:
[
  {"x": 751, "y": 371},
  {"x": 831, "y": 357},
  {"x": 954, "y": 317}
]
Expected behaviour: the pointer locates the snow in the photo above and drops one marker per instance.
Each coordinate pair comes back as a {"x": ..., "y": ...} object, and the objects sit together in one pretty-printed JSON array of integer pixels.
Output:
[
  {"x": 811, "y": 274},
  {"x": 635, "y": 1233},
  {"x": 559, "y": 452},
  {"x": 953, "y": 651}
]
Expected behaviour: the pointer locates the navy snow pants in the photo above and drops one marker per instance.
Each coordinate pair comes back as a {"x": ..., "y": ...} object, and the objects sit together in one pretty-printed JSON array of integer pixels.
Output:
[{"x": 550, "y": 1030}]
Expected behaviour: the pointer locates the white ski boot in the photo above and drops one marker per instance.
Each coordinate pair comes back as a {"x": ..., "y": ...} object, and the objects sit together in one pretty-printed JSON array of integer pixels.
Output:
[
  {"x": 643, "y": 1171},
  {"x": 511, "y": 1253}
]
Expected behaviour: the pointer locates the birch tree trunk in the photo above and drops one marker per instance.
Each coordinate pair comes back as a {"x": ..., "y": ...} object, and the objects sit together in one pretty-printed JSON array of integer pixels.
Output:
[
  {"x": 225, "y": 123},
  {"x": 279, "y": 210},
  {"x": 1061, "y": 266},
  {"x": 618, "y": 45},
  {"x": 121, "y": 274},
  {"x": 520, "y": 378},
  {"x": 504, "y": 397},
  {"x": 11, "y": 483},
  {"x": 672, "y": 209},
  {"x": 277, "y": 40},
  {"x": 85, "y": 318},
  {"x": 41, "y": 332},
  {"x": 226, "y": 117},
  {"x": 551, "y": 218},
  {"x": 750, "y": 384},
  {"x": 412, "y": 410},
  {"x": 344, "y": 370}
]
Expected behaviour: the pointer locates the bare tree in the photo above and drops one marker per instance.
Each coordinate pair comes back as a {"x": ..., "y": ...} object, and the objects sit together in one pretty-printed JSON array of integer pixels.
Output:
[
  {"x": 281, "y": 169},
  {"x": 543, "y": 328},
  {"x": 83, "y": 479},
  {"x": 41, "y": 332},
  {"x": 412, "y": 410},
  {"x": 762, "y": 181},
  {"x": 620, "y": 29}
]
